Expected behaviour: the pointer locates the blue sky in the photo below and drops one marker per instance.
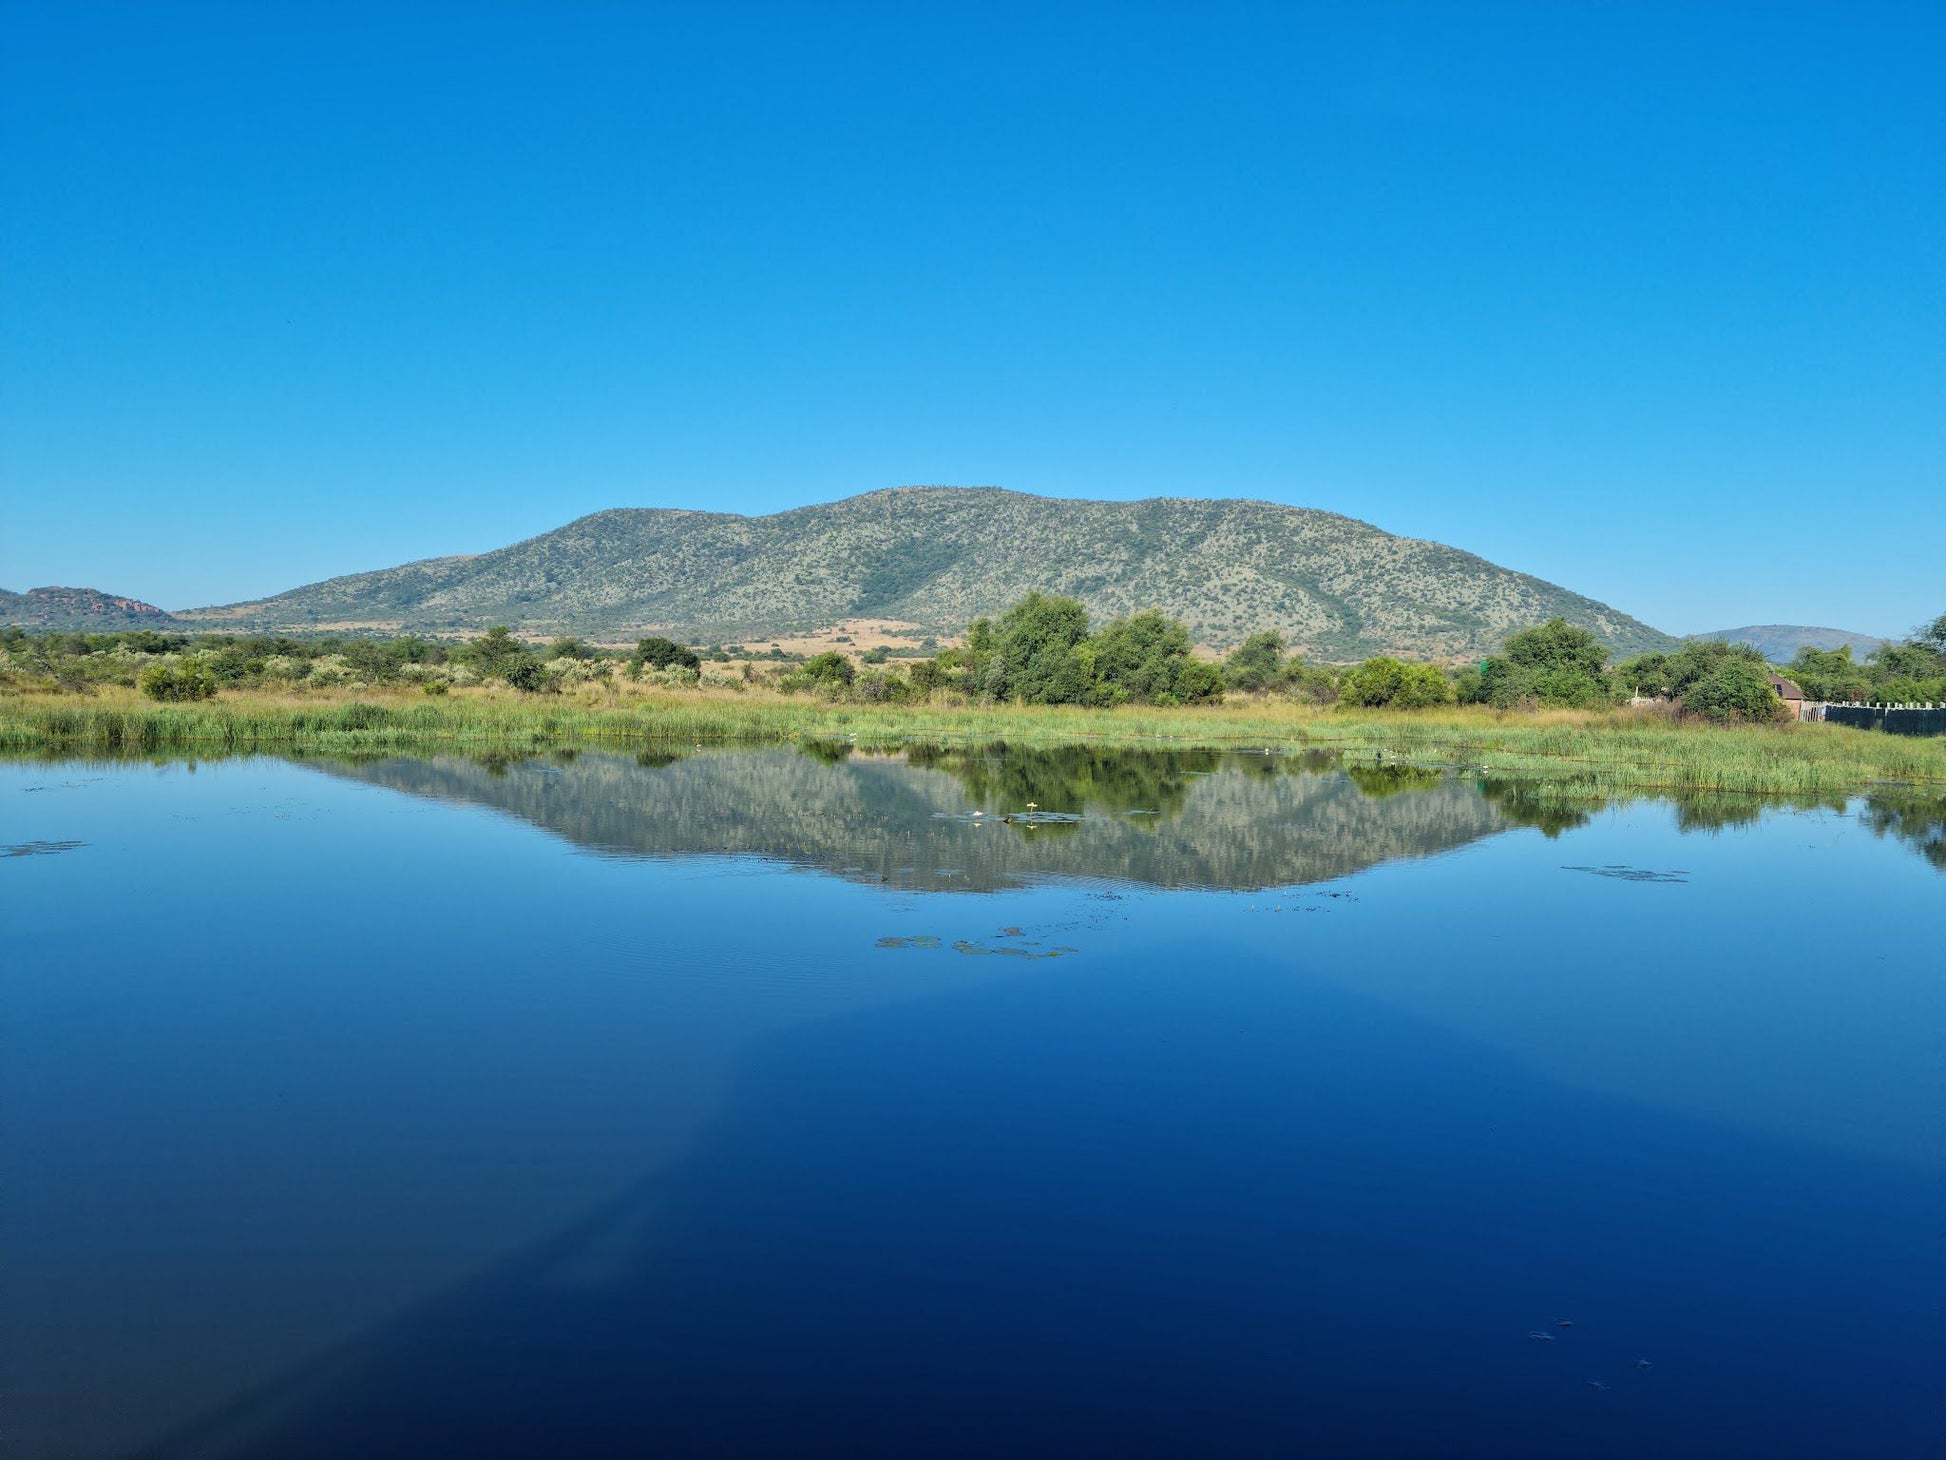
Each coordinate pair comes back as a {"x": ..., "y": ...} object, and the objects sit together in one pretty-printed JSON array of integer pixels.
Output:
[{"x": 1650, "y": 302}]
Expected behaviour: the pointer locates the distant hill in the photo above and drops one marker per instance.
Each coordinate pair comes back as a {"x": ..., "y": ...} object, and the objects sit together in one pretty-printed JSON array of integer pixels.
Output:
[
  {"x": 80, "y": 610},
  {"x": 936, "y": 557},
  {"x": 1779, "y": 643}
]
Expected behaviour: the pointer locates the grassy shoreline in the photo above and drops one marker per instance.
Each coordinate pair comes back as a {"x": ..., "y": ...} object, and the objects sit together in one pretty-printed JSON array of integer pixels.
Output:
[{"x": 1593, "y": 750}]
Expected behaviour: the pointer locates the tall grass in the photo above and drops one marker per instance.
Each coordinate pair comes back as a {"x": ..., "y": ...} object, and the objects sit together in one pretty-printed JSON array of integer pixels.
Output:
[{"x": 1594, "y": 750}]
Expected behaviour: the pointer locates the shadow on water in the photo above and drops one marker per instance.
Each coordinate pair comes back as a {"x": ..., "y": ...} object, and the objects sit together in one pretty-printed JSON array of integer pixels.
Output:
[{"x": 1274, "y": 1219}]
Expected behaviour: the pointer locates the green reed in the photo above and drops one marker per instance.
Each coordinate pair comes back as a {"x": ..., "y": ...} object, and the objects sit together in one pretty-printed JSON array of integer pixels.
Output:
[{"x": 1594, "y": 751}]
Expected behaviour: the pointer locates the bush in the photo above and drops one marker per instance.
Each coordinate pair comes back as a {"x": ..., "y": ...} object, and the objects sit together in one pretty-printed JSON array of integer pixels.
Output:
[
  {"x": 830, "y": 667},
  {"x": 878, "y": 688},
  {"x": 1393, "y": 684},
  {"x": 831, "y": 673},
  {"x": 1036, "y": 653},
  {"x": 186, "y": 679},
  {"x": 1257, "y": 664},
  {"x": 1736, "y": 689},
  {"x": 1316, "y": 684},
  {"x": 1145, "y": 659},
  {"x": 528, "y": 676},
  {"x": 1555, "y": 663},
  {"x": 660, "y": 653}
]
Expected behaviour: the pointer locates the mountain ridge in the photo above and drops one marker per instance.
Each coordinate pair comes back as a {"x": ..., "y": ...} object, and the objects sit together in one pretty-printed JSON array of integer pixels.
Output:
[
  {"x": 937, "y": 557},
  {"x": 81, "y": 610},
  {"x": 1779, "y": 643}
]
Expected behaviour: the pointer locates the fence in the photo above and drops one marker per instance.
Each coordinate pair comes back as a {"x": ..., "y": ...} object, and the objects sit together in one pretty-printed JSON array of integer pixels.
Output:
[{"x": 1893, "y": 719}]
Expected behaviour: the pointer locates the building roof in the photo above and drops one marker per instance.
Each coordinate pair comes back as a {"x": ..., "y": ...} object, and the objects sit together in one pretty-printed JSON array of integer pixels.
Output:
[{"x": 1786, "y": 688}]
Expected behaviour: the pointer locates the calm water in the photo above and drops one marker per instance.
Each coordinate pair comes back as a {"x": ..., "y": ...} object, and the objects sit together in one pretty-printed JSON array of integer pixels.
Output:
[{"x": 751, "y": 1103}]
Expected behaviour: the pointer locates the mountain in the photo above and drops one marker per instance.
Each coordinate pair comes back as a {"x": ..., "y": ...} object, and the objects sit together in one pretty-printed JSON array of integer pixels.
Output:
[
  {"x": 81, "y": 610},
  {"x": 937, "y": 557},
  {"x": 1779, "y": 643}
]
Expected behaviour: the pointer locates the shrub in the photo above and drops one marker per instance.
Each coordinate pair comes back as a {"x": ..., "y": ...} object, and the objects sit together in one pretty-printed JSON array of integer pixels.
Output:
[
  {"x": 186, "y": 679},
  {"x": 1735, "y": 689},
  {"x": 528, "y": 676},
  {"x": 829, "y": 672},
  {"x": 877, "y": 688},
  {"x": 1257, "y": 664},
  {"x": 1393, "y": 684},
  {"x": 1555, "y": 663},
  {"x": 1036, "y": 653},
  {"x": 1145, "y": 659},
  {"x": 660, "y": 653}
]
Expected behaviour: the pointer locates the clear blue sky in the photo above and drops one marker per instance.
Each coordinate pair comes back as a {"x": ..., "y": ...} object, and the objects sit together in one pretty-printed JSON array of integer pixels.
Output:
[{"x": 1650, "y": 302}]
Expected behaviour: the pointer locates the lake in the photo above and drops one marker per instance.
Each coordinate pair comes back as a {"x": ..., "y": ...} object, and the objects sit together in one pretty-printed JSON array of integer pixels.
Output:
[{"x": 754, "y": 1102}]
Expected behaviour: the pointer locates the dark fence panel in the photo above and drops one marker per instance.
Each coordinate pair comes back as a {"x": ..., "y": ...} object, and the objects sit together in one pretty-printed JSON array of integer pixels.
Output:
[{"x": 1897, "y": 722}]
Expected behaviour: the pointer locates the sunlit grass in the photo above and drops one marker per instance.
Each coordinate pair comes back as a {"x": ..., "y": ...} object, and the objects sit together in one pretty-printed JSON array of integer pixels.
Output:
[{"x": 1593, "y": 750}]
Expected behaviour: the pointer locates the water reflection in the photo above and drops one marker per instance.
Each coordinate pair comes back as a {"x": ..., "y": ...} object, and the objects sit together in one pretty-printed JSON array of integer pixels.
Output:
[
  {"x": 431, "y": 1132},
  {"x": 1911, "y": 816},
  {"x": 931, "y": 818},
  {"x": 1164, "y": 818}
]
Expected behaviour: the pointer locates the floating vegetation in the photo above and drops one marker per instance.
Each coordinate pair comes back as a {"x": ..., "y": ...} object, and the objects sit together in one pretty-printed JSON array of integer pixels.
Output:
[
  {"x": 923, "y": 940},
  {"x": 39, "y": 849},
  {"x": 1028, "y": 951},
  {"x": 1041, "y": 818},
  {"x": 1631, "y": 874}
]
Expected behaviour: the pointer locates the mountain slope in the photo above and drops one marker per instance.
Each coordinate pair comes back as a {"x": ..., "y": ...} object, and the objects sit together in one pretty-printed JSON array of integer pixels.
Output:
[
  {"x": 1779, "y": 643},
  {"x": 939, "y": 556},
  {"x": 80, "y": 610}
]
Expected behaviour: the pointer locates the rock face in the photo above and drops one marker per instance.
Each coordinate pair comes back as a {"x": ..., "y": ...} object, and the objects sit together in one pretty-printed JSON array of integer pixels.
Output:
[
  {"x": 80, "y": 610},
  {"x": 937, "y": 557}
]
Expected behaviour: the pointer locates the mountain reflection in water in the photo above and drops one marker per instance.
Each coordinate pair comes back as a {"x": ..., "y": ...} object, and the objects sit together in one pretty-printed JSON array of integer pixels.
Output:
[{"x": 1164, "y": 818}]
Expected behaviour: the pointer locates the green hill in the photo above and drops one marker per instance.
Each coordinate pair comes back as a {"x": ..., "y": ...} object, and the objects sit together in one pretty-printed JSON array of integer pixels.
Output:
[{"x": 936, "y": 557}]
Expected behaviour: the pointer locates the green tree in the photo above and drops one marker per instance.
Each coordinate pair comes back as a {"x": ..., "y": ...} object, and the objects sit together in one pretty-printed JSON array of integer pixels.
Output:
[
  {"x": 527, "y": 675},
  {"x": 1257, "y": 664},
  {"x": 1036, "y": 653},
  {"x": 1829, "y": 674},
  {"x": 1931, "y": 636},
  {"x": 660, "y": 653},
  {"x": 829, "y": 669},
  {"x": 493, "y": 652},
  {"x": 1555, "y": 663},
  {"x": 186, "y": 679},
  {"x": 1145, "y": 659},
  {"x": 1734, "y": 688},
  {"x": 1384, "y": 682}
]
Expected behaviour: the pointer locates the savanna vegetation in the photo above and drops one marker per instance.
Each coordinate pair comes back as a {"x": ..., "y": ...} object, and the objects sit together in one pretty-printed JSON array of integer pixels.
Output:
[{"x": 1549, "y": 705}]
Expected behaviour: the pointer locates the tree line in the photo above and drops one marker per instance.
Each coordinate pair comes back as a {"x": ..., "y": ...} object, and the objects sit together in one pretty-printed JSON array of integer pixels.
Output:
[{"x": 1042, "y": 651}]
